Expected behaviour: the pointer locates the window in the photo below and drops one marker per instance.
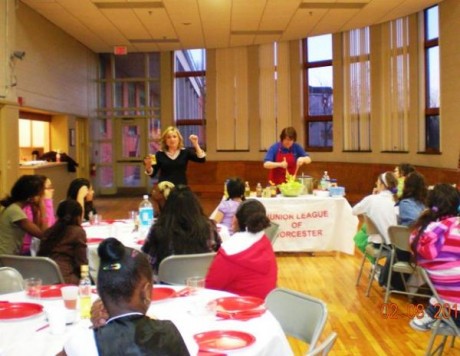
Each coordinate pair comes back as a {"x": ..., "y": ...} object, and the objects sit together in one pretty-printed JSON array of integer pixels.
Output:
[
  {"x": 318, "y": 92},
  {"x": 395, "y": 85},
  {"x": 357, "y": 90},
  {"x": 432, "y": 102},
  {"x": 190, "y": 93}
]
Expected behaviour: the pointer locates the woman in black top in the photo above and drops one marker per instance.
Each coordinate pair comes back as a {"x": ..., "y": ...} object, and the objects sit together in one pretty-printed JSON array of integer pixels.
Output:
[{"x": 171, "y": 161}]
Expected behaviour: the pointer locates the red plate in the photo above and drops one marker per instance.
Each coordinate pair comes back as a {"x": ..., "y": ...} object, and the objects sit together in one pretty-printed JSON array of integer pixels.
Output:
[
  {"x": 52, "y": 291},
  {"x": 223, "y": 340},
  {"x": 160, "y": 293},
  {"x": 94, "y": 240},
  {"x": 236, "y": 304},
  {"x": 10, "y": 311}
]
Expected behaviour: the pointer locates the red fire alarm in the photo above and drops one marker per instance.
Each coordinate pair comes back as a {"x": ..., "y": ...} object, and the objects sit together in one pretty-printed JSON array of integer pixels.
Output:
[
  {"x": 120, "y": 50},
  {"x": 20, "y": 100}
]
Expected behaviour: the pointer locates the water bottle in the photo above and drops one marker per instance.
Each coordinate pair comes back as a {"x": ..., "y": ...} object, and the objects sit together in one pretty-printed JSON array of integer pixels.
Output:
[
  {"x": 145, "y": 216},
  {"x": 325, "y": 181},
  {"x": 84, "y": 293}
]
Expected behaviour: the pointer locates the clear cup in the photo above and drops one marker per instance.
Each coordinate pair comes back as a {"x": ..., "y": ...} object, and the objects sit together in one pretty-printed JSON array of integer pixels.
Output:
[
  {"x": 133, "y": 214},
  {"x": 57, "y": 319},
  {"x": 33, "y": 287},
  {"x": 195, "y": 284},
  {"x": 70, "y": 296},
  {"x": 95, "y": 219}
]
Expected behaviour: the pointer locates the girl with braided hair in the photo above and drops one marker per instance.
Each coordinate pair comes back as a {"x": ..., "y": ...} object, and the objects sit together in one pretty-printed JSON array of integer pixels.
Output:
[{"x": 65, "y": 241}]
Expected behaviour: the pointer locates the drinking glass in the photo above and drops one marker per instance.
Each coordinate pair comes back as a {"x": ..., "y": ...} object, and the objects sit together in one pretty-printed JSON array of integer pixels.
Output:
[{"x": 33, "y": 287}]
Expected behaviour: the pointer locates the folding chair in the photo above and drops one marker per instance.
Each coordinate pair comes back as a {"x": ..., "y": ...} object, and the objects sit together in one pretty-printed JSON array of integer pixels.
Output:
[
  {"x": 176, "y": 269},
  {"x": 326, "y": 346},
  {"x": 383, "y": 251},
  {"x": 28, "y": 266},
  {"x": 10, "y": 280},
  {"x": 299, "y": 315},
  {"x": 272, "y": 232},
  {"x": 399, "y": 237},
  {"x": 444, "y": 326}
]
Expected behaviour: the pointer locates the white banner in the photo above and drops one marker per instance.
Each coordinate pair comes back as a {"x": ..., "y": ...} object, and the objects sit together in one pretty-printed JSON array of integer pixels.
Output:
[{"x": 309, "y": 223}]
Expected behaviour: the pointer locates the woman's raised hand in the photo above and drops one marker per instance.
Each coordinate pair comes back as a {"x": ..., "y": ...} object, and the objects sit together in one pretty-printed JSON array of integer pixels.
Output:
[{"x": 193, "y": 139}]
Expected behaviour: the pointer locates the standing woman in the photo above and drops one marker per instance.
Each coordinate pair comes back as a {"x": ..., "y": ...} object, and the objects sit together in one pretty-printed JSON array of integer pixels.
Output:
[
  {"x": 65, "y": 241},
  {"x": 285, "y": 156},
  {"x": 173, "y": 157},
  {"x": 80, "y": 189},
  {"x": 13, "y": 220}
]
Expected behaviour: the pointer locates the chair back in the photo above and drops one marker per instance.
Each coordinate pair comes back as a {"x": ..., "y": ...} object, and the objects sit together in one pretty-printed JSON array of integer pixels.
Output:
[
  {"x": 40, "y": 267},
  {"x": 272, "y": 232},
  {"x": 370, "y": 226},
  {"x": 299, "y": 315},
  {"x": 176, "y": 269},
  {"x": 10, "y": 280},
  {"x": 399, "y": 237}
]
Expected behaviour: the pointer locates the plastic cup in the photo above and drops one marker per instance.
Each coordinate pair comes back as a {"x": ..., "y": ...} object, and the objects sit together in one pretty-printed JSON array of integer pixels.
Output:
[
  {"x": 33, "y": 287},
  {"x": 57, "y": 319},
  {"x": 70, "y": 296},
  {"x": 195, "y": 284}
]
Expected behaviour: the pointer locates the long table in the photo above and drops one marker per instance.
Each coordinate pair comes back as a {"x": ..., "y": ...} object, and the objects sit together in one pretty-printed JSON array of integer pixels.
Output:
[{"x": 311, "y": 223}]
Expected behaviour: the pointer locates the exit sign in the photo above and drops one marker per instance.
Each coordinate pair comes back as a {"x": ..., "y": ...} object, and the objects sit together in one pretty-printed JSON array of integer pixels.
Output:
[{"x": 120, "y": 50}]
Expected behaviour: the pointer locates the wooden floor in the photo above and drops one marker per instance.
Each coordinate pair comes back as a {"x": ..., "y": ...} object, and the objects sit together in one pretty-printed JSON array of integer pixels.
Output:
[{"x": 358, "y": 320}]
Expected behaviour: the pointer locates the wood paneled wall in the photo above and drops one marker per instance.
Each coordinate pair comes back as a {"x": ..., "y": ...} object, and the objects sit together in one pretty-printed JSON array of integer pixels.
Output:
[{"x": 358, "y": 178}]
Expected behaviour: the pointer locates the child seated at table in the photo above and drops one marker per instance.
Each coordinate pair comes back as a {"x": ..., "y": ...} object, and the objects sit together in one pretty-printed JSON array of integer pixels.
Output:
[
  {"x": 125, "y": 287},
  {"x": 245, "y": 264},
  {"x": 227, "y": 208},
  {"x": 435, "y": 242},
  {"x": 65, "y": 241}
]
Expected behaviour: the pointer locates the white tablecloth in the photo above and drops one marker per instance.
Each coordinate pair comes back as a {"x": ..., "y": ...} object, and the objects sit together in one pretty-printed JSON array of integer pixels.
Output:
[
  {"x": 19, "y": 338},
  {"x": 310, "y": 223}
]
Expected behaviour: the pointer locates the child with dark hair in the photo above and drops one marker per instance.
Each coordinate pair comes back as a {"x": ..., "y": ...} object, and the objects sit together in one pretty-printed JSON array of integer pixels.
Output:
[
  {"x": 245, "y": 264},
  {"x": 81, "y": 190},
  {"x": 125, "y": 287},
  {"x": 227, "y": 208},
  {"x": 30, "y": 244},
  {"x": 14, "y": 223},
  {"x": 182, "y": 228},
  {"x": 435, "y": 243},
  {"x": 401, "y": 171},
  {"x": 65, "y": 241}
]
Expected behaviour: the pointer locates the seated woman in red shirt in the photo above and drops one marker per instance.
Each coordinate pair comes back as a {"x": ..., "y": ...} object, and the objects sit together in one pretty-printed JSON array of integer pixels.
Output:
[{"x": 245, "y": 263}]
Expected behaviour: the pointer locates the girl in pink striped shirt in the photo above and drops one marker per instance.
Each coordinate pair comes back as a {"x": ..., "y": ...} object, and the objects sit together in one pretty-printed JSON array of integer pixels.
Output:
[{"x": 436, "y": 245}]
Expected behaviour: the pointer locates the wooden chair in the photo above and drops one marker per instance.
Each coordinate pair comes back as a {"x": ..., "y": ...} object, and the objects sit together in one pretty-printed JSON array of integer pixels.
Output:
[
  {"x": 28, "y": 266},
  {"x": 399, "y": 238},
  {"x": 300, "y": 315},
  {"x": 377, "y": 254},
  {"x": 10, "y": 280},
  {"x": 176, "y": 269}
]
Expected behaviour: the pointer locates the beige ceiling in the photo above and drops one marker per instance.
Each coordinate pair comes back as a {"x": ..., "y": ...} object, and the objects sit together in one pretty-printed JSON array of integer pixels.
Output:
[{"x": 164, "y": 25}]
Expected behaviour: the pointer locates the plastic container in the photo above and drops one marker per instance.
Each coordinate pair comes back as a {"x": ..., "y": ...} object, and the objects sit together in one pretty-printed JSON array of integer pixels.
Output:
[
  {"x": 145, "y": 216},
  {"x": 84, "y": 293}
]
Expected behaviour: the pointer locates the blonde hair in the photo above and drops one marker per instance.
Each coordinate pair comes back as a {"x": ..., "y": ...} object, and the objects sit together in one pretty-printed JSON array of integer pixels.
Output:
[{"x": 166, "y": 132}]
